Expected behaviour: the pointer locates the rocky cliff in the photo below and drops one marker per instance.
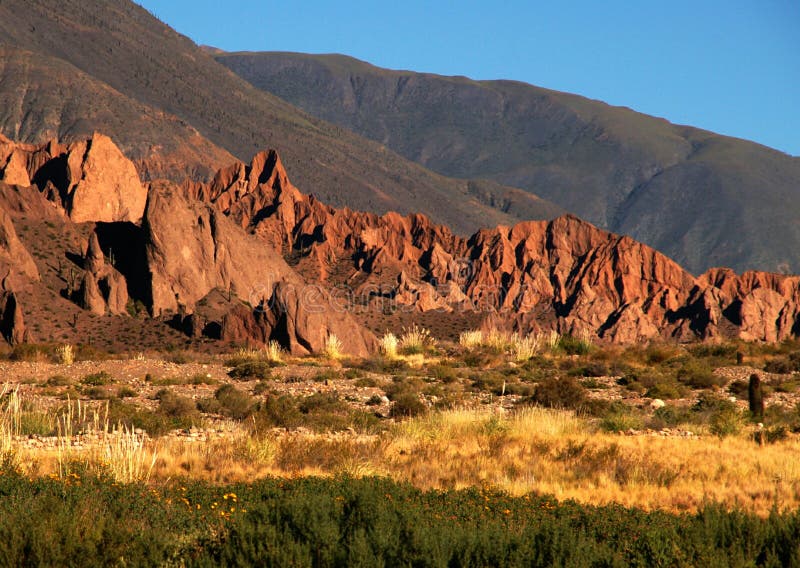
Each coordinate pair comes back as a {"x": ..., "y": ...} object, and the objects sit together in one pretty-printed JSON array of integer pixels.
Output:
[
  {"x": 248, "y": 257},
  {"x": 564, "y": 274}
]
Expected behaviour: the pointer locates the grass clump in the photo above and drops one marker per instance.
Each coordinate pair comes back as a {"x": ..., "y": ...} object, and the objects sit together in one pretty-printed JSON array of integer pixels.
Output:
[
  {"x": 98, "y": 379},
  {"x": 251, "y": 370},
  {"x": 415, "y": 340},
  {"x": 333, "y": 348},
  {"x": 559, "y": 392},
  {"x": 388, "y": 345}
]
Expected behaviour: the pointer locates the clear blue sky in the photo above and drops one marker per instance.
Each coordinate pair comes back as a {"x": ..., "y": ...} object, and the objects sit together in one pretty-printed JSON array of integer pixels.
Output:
[{"x": 731, "y": 66}]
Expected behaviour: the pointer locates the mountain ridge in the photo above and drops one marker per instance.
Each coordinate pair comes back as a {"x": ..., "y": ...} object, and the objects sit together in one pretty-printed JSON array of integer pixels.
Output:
[
  {"x": 672, "y": 186},
  {"x": 123, "y": 49}
]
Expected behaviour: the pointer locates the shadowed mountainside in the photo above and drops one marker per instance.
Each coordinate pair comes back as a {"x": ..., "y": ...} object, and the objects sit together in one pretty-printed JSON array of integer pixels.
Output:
[
  {"x": 75, "y": 66},
  {"x": 703, "y": 199}
]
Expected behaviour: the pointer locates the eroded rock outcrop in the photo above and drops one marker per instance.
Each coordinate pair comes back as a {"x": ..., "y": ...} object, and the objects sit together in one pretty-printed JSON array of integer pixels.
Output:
[
  {"x": 103, "y": 289},
  {"x": 91, "y": 179},
  {"x": 193, "y": 249},
  {"x": 564, "y": 274}
]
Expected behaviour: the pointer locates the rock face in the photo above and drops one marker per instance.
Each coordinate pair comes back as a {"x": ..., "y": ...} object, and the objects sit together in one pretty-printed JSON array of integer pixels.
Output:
[
  {"x": 194, "y": 249},
  {"x": 14, "y": 257},
  {"x": 91, "y": 179},
  {"x": 103, "y": 289},
  {"x": 249, "y": 258},
  {"x": 12, "y": 324},
  {"x": 563, "y": 274}
]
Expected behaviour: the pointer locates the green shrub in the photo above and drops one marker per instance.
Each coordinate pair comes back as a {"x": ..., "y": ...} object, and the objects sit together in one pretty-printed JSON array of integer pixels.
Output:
[
  {"x": 666, "y": 390},
  {"x": 444, "y": 373},
  {"x": 251, "y": 370},
  {"x": 234, "y": 403},
  {"x": 174, "y": 405},
  {"x": 726, "y": 422},
  {"x": 97, "y": 379},
  {"x": 565, "y": 392},
  {"x": 58, "y": 381},
  {"x": 126, "y": 392},
  {"x": 343, "y": 521},
  {"x": 573, "y": 345},
  {"x": 365, "y": 382},
  {"x": 621, "y": 418},
  {"x": 669, "y": 417},
  {"x": 406, "y": 405},
  {"x": 699, "y": 375},
  {"x": 279, "y": 411}
]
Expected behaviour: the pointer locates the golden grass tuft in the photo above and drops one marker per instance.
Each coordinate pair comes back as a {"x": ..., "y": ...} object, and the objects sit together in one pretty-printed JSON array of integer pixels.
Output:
[
  {"x": 273, "y": 352},
  {"x": 333, "y": 347},
  {"x": 415, "y": 339},
  {"x": 470, "y": 339},
  {"x": 388, "y": 345},
  {"x": 65, "y": 354}
]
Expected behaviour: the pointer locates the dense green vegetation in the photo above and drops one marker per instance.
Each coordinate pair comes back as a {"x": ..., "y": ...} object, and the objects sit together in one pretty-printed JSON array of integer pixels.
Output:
[{"x": 366, "y": 522}]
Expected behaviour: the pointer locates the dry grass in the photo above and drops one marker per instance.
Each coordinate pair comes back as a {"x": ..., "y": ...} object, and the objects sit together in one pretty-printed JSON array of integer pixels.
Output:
[
  {"x": 273, "y": 352},
  {"x": 333, "y": 347},
  {"x": 415, "y": 339},
  {"x": 65, "y": 354},
  {"x": 388, "y": 345},
  {"x": 529, "y": 450},
  {"x": 470, "y": 339},
  {"x": 125, "y": 455}
]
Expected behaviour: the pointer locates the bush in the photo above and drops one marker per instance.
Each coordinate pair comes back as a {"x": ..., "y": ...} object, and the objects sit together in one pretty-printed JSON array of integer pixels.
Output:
[
  {"x": 174, "y": 405},
  {"x": 621, "y": 418},
  {"x": 251, "y": 370},
  {"x": 726, "y": 422},
  {"x": 669, "y": 417},
  {"x": 573, "y": 345},
  {"x": 234, "y": 403},
  {"x": 58, "y": 381},
  {"x": 406, "y": 405},
  {"x": 666, "y": 390},
  {"x": 97, "y": 379},
  {"x": 565, "y": 392},
  {"x": 279, "y": 411},
  {"x": 699, "y": 376}
]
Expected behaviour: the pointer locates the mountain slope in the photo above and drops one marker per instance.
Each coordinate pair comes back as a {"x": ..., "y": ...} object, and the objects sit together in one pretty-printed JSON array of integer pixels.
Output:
[
  {"x": 47, "y": 98},
  {"x": 121, "y": 45},
  {"x": 701, "y": 198}
]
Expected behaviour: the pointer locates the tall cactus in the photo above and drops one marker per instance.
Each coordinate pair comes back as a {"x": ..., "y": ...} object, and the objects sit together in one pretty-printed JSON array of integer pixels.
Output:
[{"x": 755, "y": 396}]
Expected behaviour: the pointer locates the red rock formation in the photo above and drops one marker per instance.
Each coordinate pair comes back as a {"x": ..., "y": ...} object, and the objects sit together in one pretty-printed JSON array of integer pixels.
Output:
[
  {"x": 103, "y": 289},
  {"x": 565, "y": 273},
  {"x": 91, "y": 179},
  {"x": 193, "y": 249},
  {"x": 233, "y": 236}
]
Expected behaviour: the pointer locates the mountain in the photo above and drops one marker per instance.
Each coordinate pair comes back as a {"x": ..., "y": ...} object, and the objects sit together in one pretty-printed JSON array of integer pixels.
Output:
[
  {"x": 703, "y": 199},
  {"x": 87, "y": 250},
  {"x": 69, "y": 68}
]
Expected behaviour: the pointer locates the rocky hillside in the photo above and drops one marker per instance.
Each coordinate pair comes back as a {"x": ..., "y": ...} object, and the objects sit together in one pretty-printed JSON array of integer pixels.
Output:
[
  {"x": 69, "y": 68},
  {"x": 107, "y": 249},
  {"x": 564, "y": 274},
  {"x": 247, "y": 257},
  {"x": 703, "y": 199}
]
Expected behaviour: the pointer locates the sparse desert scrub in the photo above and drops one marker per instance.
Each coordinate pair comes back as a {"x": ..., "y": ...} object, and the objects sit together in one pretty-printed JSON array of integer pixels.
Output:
[
  {"x": 415, "y": 340},
  {"x": 333, "y": 348},
  {"x": 388, "y": 345},
  {"x": 470, "y": 339}
]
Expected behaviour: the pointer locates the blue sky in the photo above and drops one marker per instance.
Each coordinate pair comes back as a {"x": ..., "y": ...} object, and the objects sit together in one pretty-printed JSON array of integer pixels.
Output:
[{"x": 731, "y": 66}]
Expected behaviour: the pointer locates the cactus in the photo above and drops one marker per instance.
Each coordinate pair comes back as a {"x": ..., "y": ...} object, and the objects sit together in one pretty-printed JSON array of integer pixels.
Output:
[{"x": 755, "y": 396}]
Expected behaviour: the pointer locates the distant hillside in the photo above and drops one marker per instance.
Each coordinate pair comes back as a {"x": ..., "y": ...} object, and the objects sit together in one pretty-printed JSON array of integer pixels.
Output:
[
  {"x": 110, "y": 65},
  {"x": 703, "y": 199}
]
